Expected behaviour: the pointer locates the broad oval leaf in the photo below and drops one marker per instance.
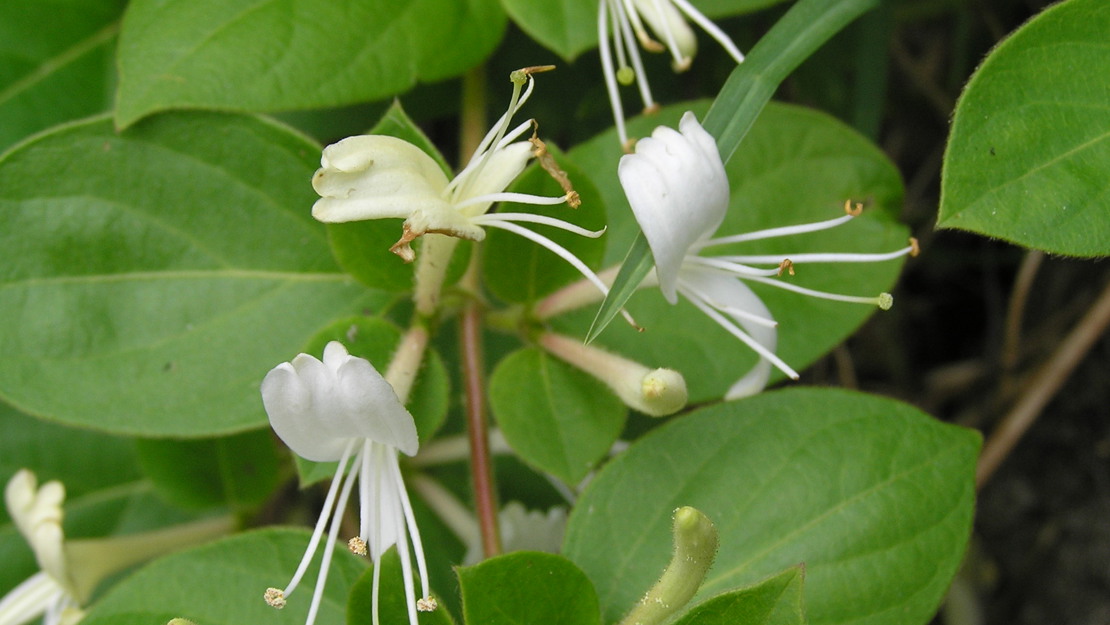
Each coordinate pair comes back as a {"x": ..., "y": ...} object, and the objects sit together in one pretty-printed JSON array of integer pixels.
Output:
[
  {"x": 527, "y": 587},
  {"x": 777, "y": 600},
  {"x": 222, "y": 583},
  {"x": 154, "y": 276},
  {"x": 262, "y": 55},
  {"x": 239, "y": 471},
  {"x": 796, "y": 166},
  {"x": 873, "y": 496},
  {"x": 1028, "y": 159},
  {"x": 56, "y": 63},
  {"x": 554, "y": 416}
]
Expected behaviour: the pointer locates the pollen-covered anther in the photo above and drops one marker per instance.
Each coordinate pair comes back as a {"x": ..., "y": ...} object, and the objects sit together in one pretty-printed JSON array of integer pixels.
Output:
[
  {"x": 853, "y": 210},
  {"x": 275, "y": 598},
  {"x": 915, "y": 249},
  {"x": 357, "y": 546},
  {"x": 786, "y": 266},
  {"x": 427, "y": 604}
]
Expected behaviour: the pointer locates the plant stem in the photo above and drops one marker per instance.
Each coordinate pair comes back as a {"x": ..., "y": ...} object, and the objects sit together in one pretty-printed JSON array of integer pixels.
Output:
[
  {"x": 470, "y": 337},
  {"x": 1043, "y": 386}
]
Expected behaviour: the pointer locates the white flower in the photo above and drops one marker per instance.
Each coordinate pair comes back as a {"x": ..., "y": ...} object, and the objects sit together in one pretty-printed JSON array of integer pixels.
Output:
[
  {"x": 50, "y": 593},
  {"x": 375, "y": 177},
  {"x": 678, "y": 190},
  {"x": 665, "y": 19},
  {"x": 342, "y": 409}
]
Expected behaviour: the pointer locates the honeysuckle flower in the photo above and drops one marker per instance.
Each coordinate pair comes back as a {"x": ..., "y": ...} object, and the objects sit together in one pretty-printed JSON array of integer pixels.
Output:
[
  {"x": 666, "y": 20},
  {"x": 50, "y": 593},
  {"x": 678, "y": 190},
  {"x": 375, "y": 177},
  {"x": 341, "y": 409},
  {"x": 72, "y": 569}
]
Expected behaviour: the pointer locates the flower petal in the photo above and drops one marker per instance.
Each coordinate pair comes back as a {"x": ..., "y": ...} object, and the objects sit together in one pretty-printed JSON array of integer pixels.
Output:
[
  {"x": 678, "y": 191},
  {"x": 727, "y": 293},
  {"x": 494, "y": 176},
  {"x": 292, "y": 406},
  {"x": 373, "y": 177},
  {"x": 664, "y": 18},
  {"x": 372, "y": 409}
]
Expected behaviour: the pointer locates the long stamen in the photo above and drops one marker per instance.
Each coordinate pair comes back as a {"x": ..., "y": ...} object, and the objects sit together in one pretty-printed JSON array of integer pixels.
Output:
[
  {"x": 883, "y": 300},
  {"x": 637, "y": 64},
  {"x": 561, "y": 252},
  {"x": 427, "y": 603},
  {"x": 831, "y": 257},
  {"x": 698, "y": 300},
  {"x": 607, "y": 70},
  {"x": 329, "y": 548},
  {"x": 505, "y": 196},
  {"x": 726, "y": 264},
  {"x": 638, "y": 27},
  {"x": 771, "y": 233},
  {"x": 317, "y": 532},
  {"x": 539, "y": 219},
  {"x": 714, "y": 31}
]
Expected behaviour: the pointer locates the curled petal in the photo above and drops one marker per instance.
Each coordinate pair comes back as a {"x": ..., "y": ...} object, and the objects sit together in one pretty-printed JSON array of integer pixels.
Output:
[
  {"x": 668, "y": 24},
  {"x": 289, "y": 402},
  {"x": 678, "y": 191},
  {"x": 375, "y": 176},
  {"x": 372, "y": 408},
  {"x": 494, "y": 175}
]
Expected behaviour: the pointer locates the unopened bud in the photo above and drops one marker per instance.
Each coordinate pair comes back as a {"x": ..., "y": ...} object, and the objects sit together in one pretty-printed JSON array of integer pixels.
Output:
[
  {"x": 654, "y": 392},
  {"x": 695, "y": 547}
]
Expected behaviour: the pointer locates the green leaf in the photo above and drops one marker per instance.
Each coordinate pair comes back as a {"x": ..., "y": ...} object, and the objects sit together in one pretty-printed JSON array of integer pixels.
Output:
[
  {"x": 798, "y": 166},
  {"x": 873, "y": 496},
  {"x": 517, "y": 269},
  {"x": 56, "y": 62},
  {"x": 777, "y": 600},
  {"x": 392, "y": 606},
  {"x": 239, "y": 471},
  {"x": 222, "y": 583},
  {"x": 807, "y": 25},
  {"x": 569, "y": 27},
  {"x": 376, "y": 339},
  {"x": 261, "y": 55},
  {"x": 156, "y": 275},
  {"x": 554, "y": 416},
  {"x": 362, "y": 247},
  {"x": 637, "y": 264},
  {"x": 1029, "y": 155},
  {"x": 527, "y": 587}
]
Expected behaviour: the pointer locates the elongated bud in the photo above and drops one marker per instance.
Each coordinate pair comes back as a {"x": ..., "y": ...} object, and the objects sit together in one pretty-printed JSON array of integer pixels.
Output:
[
  {"x": 654, "y": 392},
  {"x": 180, "y": 621},
  {"x": 695, "y": 547}
]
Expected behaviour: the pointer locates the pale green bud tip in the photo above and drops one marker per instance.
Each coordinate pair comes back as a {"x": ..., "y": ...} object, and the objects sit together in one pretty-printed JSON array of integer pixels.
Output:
[
  {"x": 180, "y": 621},
  {"x": 626, "y": 76},
  {"x": 886, "y": 300},
  {"x": 663, "y": 392},
  {"x": 695, "y": 534}
]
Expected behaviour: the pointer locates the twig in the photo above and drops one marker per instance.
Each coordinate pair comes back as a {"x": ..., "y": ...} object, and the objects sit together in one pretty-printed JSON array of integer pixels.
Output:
[
  {"x": 1016, "y": 311},
  {"x": 1043, "y": 386}
]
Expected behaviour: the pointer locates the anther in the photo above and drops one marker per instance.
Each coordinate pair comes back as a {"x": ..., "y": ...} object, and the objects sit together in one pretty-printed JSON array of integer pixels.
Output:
[
  {"x": 786, "y": 266},
  {"x": 854, "y": 211},
  {"x": 915, "y": 249},
  {"x": 427, "y": 604},
  {"x": 357, "y": 546},
  {"x": 275, "y": 598}
]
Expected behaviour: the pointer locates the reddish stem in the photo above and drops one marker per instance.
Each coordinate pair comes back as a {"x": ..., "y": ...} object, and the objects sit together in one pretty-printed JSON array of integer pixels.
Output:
[{"x": 481, "y": 469}]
